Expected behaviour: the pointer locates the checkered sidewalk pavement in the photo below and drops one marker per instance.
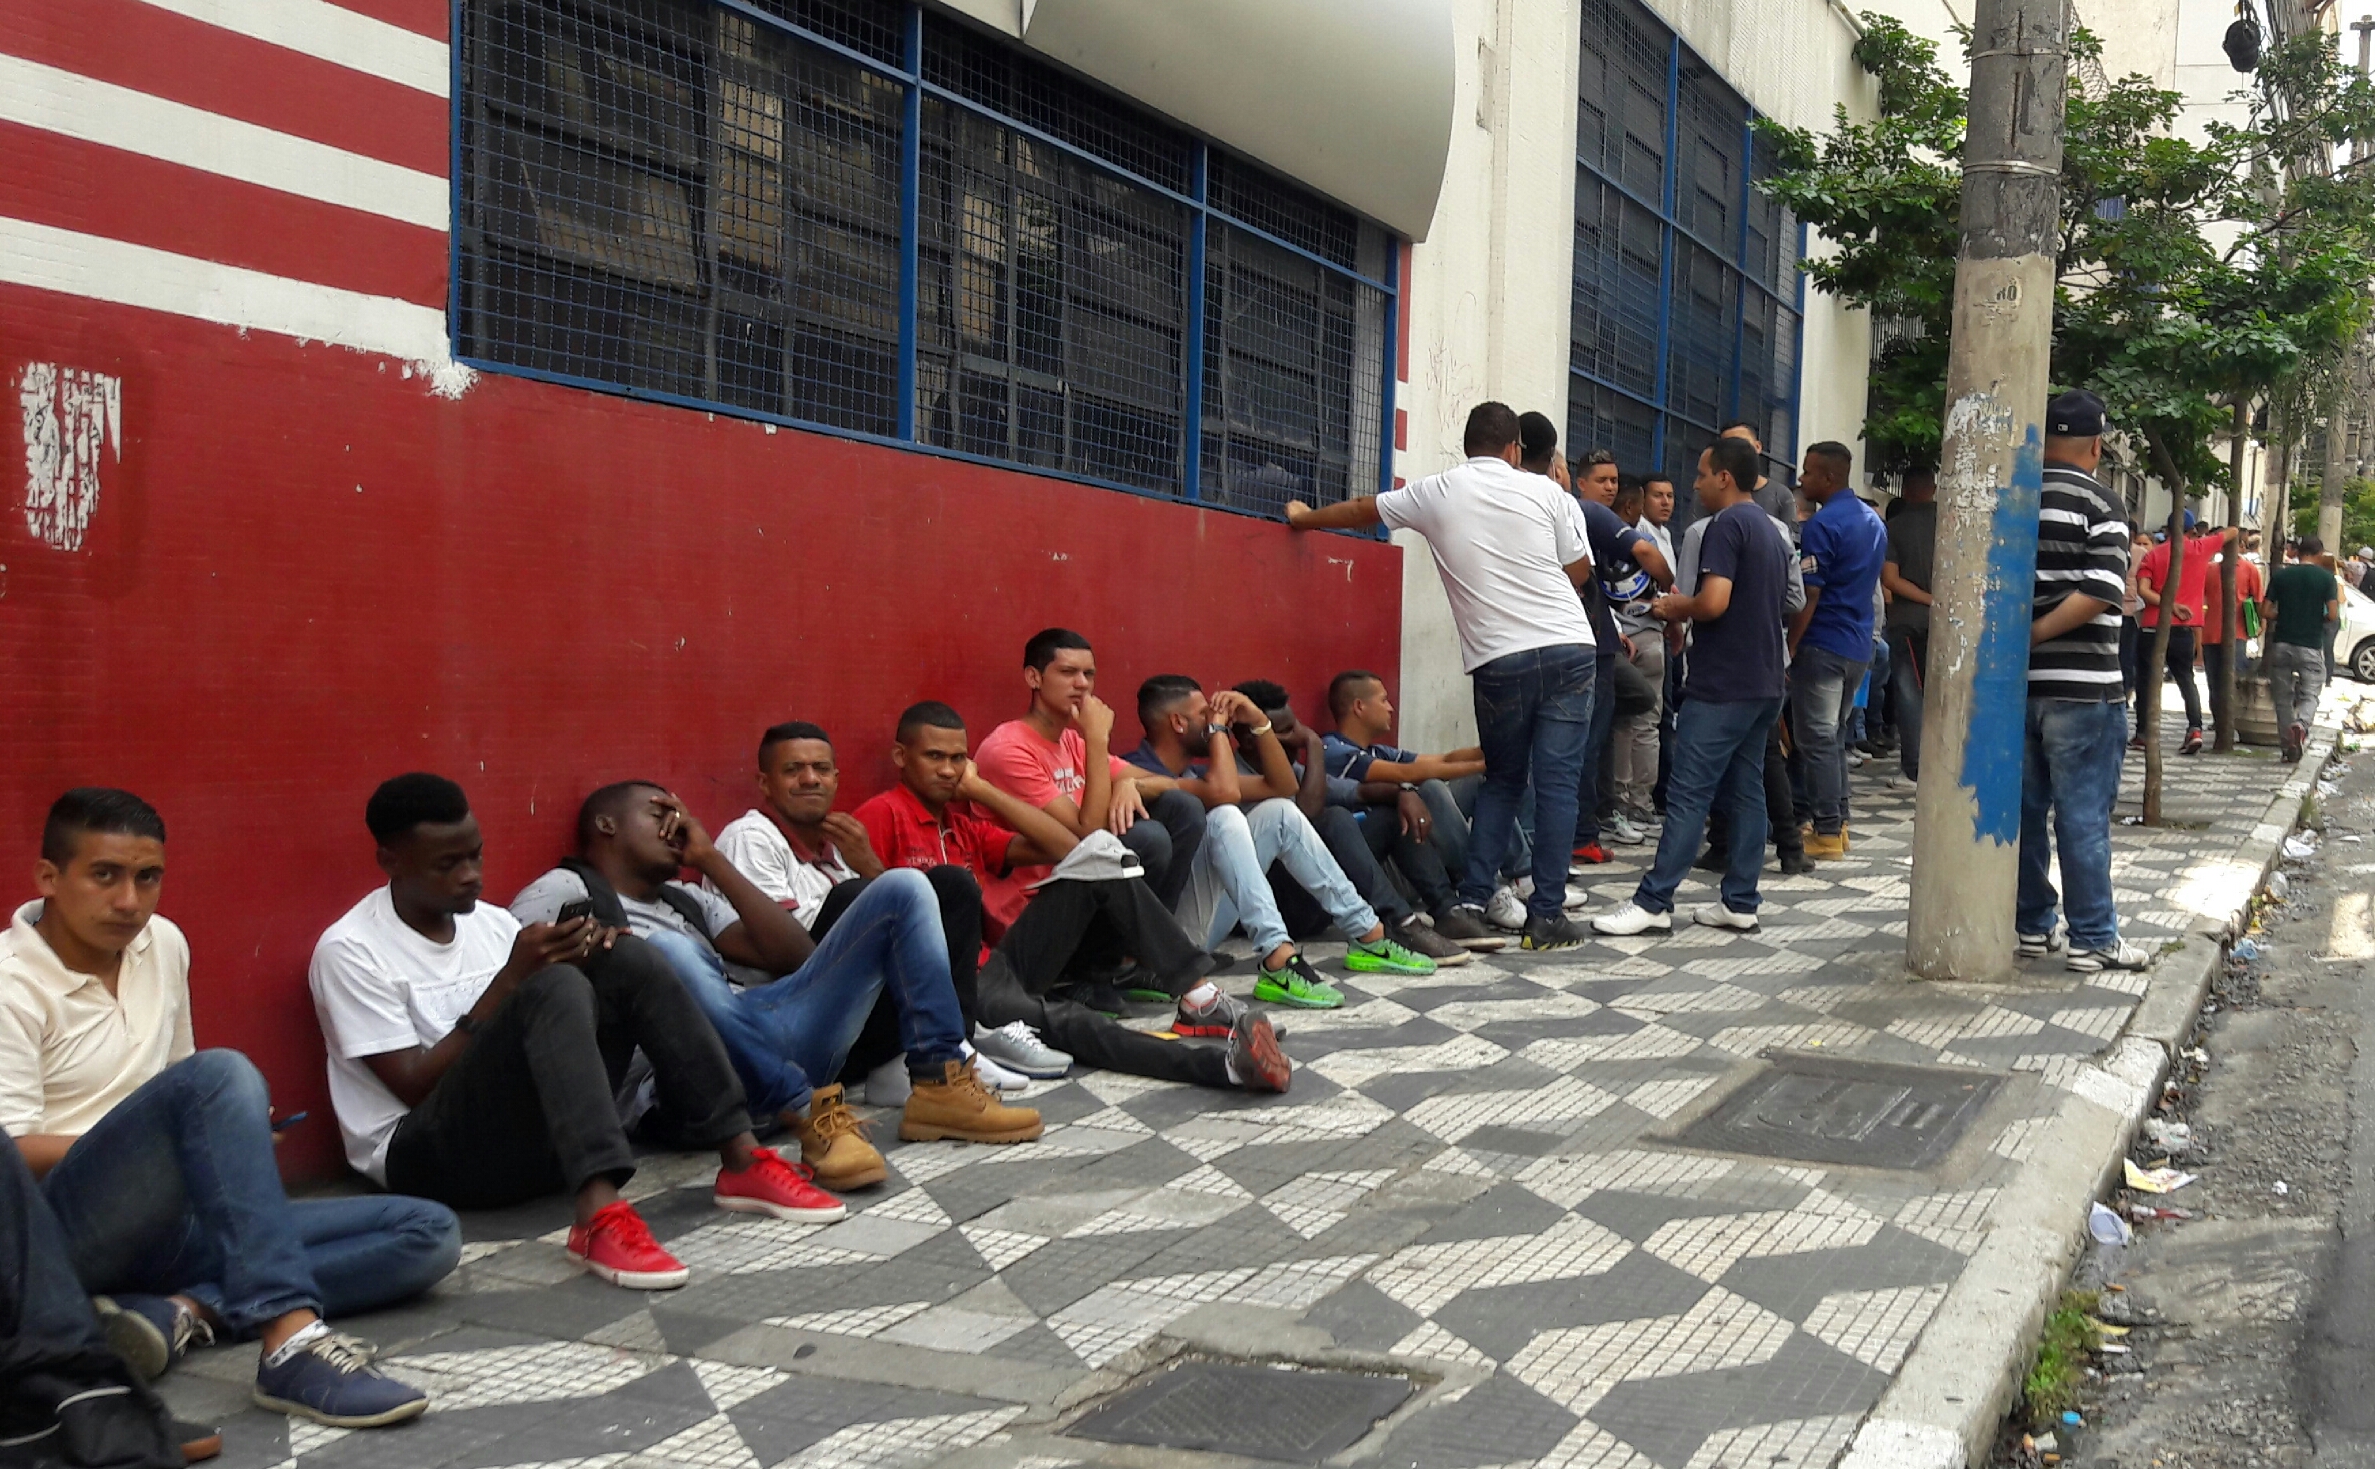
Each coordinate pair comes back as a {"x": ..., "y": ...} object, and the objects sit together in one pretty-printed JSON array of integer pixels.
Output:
[{"x": 1470, "y": 1177}]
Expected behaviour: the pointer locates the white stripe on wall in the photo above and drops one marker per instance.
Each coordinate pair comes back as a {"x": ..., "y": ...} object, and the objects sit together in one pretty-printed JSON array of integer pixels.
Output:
[
  {"x": 102, "y": 269},
  {"x": 330, "y": 33},
  {"x": 77, "y": 106}
]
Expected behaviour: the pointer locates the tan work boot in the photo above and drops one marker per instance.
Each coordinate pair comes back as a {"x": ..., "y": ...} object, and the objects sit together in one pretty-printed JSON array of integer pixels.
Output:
[
  {"x": 959, "y": 1107},
  {"x": 1820, "y": 846},
  {"x": 833, "y": 1143}
]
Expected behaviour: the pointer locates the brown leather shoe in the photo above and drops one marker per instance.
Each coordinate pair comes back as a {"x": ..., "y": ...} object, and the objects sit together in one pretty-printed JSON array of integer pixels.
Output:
[
  {"x": 833, "y": 1143},
  {"x": 960, "y": 1108}
]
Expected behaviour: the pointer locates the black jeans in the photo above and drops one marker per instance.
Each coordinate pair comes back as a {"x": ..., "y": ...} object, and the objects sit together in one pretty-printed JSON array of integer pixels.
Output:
[
  {"x": 1339, "y": 829},
  {"x": 527, "y": 1110},
  {"x": 1167, "y": 844},
  {"x": 1420, "y": 862},
  {"x": 58, "y": 1377},
  {"x": 2180, "y": 666},
  {"x": 1042, "y": 948},
  {"x": 2214, "y": 659},
  {"x": 2130, "y": 650}
]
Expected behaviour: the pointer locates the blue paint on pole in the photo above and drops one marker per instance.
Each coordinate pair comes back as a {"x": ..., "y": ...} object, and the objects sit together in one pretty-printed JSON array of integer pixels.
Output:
[{"x": 1993, "y": 745}]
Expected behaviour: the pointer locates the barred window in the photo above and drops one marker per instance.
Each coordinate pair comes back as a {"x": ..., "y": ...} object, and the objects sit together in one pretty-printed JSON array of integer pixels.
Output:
[
  {"x": 725, "y": 207},
  {"x": 1686, "y": 284}
]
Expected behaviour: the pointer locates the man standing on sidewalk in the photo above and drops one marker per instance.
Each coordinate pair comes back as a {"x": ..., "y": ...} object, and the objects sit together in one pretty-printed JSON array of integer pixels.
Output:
[
  {"x": 2077, "y": 718},
  {"x": 1912, "y": 558},
  {"x": 1840, "y": 551},
  {"x": 1510, "y": 548},
  {"x": 2302, "y": 597}
]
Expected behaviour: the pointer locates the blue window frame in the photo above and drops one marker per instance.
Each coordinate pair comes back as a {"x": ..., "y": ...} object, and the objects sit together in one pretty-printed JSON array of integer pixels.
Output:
[
  {"x": 1687, "y": 297},
  {"x": 860, "y": 216}
]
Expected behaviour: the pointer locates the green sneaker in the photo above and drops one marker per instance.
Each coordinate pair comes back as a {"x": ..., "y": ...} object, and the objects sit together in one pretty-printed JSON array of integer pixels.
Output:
[
  {"x": 1386, "y": 957},
  {"x": 1298, "y": 985}
]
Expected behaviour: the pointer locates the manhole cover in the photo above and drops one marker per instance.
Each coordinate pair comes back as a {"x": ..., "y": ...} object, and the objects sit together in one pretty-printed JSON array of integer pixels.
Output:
[
  {"x": 1283, "y": 1415},
  {"x": 1864, "y": 1112}
]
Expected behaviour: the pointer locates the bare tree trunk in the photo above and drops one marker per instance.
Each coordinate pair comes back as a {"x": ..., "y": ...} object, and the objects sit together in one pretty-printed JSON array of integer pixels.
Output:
[
  {"x": 2154, "y": 663},
  {"x": 2223, "y": 695}
]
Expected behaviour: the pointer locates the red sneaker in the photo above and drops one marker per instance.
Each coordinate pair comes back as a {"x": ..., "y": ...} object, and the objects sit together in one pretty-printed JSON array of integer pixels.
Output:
[
  {"x": 772, "y": 1186},
  {"x": 1590, "y": 853},
  {"x": 617, "y": 1246}
]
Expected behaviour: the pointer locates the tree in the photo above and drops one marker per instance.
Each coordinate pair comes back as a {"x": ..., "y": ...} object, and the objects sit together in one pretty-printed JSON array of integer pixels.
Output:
[{"x": 2194, "y": 277}]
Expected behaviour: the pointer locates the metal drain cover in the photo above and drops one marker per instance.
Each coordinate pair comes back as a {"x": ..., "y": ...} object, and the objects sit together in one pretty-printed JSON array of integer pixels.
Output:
[
  {"x": 1283, "y": 1415},
  {"x": 1837, "y": 1111}
]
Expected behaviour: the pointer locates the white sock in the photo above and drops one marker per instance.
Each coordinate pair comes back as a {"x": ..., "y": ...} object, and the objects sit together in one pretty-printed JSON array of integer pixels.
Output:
[
  {"x": 296, "y": 1343},
  {"x": 1202, "y": 995}
]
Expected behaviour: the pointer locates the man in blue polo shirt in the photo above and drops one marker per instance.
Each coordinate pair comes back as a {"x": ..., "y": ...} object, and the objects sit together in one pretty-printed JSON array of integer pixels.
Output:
[{"x": 1840, "y": 552}]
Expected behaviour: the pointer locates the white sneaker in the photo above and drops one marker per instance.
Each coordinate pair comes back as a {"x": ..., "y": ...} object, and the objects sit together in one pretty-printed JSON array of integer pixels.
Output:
[
  {"x": 1631, "y": 919},
  {"x": 2121, "y": 955},
  {"x": 1624, "y": 833},
  {"x": 1902, "y": 782},
  {"x": 2039, "y": 945},
  {"x": 994, "y": 1076},
  {"x": 1506, "y": 910},
  {"x": 1577, "y": 900},
  {"x": 887, "y": 1085},
  {"x": 1716, "y": 915},
  {"x": 1017, "y": 1047}
]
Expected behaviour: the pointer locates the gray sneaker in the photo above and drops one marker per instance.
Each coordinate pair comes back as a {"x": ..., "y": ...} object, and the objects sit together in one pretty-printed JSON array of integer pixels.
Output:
[
  {"x": 1507, "y": 910},
  {"x": 2039, "y": 945},
  {"x": 2121, "y": 955},
  {"x": 1624, "y": 833},
  {"x": 1017, "y": 1047},
  {"x": 1464, "y": 925},
  {"x": 1420, "y": 939}
]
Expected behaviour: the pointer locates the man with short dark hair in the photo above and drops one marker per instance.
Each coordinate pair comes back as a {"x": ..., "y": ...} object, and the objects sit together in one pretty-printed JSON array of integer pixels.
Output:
[
  {"x": 157, "y": 1158},
  {"x": 796, "y": 1025},
  {"x": 1906, "y": 573},
  {"x": 475, "y": 1061},
  {"x": 942, "y": 811},
  {"x": 2302, "y": 598},
  {"x": 1840, "y": 550},
  {"x": 2077, "y": 714},
  {"x": 1058, "y": 757},
  {"x": 1772, "y": 496},
  {"x": 1731, "y": 696},
  {"x": 1188, "y": 742}
]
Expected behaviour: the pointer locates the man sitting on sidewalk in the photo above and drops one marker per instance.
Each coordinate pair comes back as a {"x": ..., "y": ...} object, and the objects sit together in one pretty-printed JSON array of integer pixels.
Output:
[
  {"x": 634, "y": 838},
  {"x": 2077, "y": 711},
  {"x": 1228, "y": 884},
  {"x": 2302, "y": 597},
  {"x": 1731, "y": 695},
  {"x": 934, "y": 815},
  {"x": 475, "y": 1061},
  {"x": 156, "y": 1158},
  {"x": 1329, "y": 805}
]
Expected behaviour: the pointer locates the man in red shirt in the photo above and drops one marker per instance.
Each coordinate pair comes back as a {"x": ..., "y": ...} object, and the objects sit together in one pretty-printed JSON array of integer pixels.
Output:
[
  {"x": 934, "y": 817},
  {"x": 2184, "y": 605}
]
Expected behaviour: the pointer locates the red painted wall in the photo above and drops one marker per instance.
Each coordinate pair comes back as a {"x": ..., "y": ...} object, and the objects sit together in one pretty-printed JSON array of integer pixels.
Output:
[{"x": 306, "y": 573}]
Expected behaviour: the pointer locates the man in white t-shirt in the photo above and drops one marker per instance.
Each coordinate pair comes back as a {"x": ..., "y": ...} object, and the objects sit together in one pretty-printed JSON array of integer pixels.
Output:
[
  {"x": 1511, "y": 550},
  {"x": 106, "y": 1097},
  {"x": 634, "y": 838},
  {"x": 474, "y": 1061}
]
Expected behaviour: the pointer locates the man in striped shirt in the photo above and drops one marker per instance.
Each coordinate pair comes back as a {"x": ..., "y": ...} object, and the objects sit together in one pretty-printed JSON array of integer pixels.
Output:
[{"x": 2077, "y": 716}]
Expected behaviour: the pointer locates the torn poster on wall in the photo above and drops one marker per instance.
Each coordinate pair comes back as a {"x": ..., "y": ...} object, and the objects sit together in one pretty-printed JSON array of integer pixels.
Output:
[{"x": 73, "y": 417}]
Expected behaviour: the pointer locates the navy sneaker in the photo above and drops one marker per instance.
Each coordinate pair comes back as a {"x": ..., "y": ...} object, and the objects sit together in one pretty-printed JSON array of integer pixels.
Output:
[
  {"x": 150, "y": 1332},
  {"x": 328, "y": 1377}
]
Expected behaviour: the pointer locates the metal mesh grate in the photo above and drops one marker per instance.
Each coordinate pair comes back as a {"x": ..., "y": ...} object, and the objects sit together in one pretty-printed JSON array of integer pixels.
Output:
[
  {"x": 1291, "y": 376},
  {"x": 1615, "y": 307},
  {"x": 1621, "y": 110},
  {"x": 1601, "y": 418},
  {"x": 1003, "y": 80},
  {"x": 1710, "y": 134},
  {"x": 875, "y": 28},
  {"x": 1700, "y": 354},
  {"x": 1270, "y": 204}
]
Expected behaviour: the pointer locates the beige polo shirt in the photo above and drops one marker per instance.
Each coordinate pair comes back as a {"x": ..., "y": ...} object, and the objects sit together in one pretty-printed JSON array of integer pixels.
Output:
[{"x": 69, "y": 1050}]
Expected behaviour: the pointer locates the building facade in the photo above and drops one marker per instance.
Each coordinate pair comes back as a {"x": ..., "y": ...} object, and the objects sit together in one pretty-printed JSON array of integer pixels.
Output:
[{"x": 549, "y": 392}]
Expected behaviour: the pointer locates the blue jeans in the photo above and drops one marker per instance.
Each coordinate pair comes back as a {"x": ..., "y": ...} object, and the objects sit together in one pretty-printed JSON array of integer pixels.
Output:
[
  {"x": 780, "y": 1035},
  {"x": 1822, "y": 699},
  {"x": 1533, "y": 720},
  {"x": 1595, "y": 748},
  {"x": 1719, "y": 753},
  {"x": 1230, "y": 884},
  {"x": 176, "y": 1192},
  {"x": 2072, "y": 769}
]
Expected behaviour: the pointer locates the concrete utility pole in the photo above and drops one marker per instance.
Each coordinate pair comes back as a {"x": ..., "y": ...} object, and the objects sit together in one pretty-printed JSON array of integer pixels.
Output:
[
  {"x": 1966, "y": 831},
  {"x": 2365, "y": 26}
]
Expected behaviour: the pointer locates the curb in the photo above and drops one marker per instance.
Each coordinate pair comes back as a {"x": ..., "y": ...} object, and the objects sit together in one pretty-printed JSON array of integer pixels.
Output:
[{"x": 1958, "y": 1382}]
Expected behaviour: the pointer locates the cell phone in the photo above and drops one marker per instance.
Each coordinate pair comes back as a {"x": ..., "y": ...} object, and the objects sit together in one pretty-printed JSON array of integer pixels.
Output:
[
  {"x": 582, "y": 908},
  {"x": 283, "y": 1124}
]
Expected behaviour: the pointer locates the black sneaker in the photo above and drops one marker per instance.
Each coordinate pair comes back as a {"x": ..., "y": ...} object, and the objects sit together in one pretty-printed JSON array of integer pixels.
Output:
[
  {"x": 1795, "y": 863},
  {"x": 1143, "y": 986},
  {"x": 1098, "y": 995},
  {"x": 1710, "y": 860},
  {"x": 1420, "y": 939},
  {"x": 1551, "y": 933},
  {"x": 1464, "y": 925}
]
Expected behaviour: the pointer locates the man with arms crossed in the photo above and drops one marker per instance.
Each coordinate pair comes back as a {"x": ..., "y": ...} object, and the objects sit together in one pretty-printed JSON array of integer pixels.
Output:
[
  {"x": 156, "y": 1157},
  {"x": 1511, "y": 550}
]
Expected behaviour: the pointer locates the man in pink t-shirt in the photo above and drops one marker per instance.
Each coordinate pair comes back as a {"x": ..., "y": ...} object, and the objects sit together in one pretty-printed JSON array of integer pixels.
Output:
[{"x": 1059, "y": 757}]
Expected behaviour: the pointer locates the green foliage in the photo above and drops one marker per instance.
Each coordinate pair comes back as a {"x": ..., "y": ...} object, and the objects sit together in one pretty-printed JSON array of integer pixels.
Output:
[
  {"x": 2358, "y": 513},
  {"x": 2192, "y": 275},
  {"x": 2054, "y": 1379}
]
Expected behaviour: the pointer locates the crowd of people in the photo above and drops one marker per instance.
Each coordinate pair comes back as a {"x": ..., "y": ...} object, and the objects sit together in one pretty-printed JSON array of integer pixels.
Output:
[{"x": 994, "y": 915}]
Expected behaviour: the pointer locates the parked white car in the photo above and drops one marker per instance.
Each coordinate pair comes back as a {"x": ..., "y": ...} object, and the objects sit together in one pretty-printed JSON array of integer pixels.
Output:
[{"x": 2356, "y": 644}]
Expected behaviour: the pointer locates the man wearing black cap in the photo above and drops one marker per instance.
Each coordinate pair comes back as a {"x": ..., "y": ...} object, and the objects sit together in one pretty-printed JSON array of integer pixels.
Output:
[{"x": 2077, "y": 715}]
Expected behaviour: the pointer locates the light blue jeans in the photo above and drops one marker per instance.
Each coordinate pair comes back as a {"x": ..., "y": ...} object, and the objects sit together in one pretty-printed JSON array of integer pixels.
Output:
[
  {"x": 1228, "y": 885},
  {"x": 176, "y": 1192},
  {"x": 780, "y": 1035},
  {"x": 2071, "y": 771}
]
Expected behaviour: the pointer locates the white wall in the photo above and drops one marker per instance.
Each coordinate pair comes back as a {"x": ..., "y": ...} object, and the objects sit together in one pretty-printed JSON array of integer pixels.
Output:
[{"x": 1491, "y": 286}]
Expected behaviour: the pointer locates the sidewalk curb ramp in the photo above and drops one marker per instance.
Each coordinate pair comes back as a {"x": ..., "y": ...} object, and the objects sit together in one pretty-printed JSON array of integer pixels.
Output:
[{"x": 1960, "y": 1379}]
